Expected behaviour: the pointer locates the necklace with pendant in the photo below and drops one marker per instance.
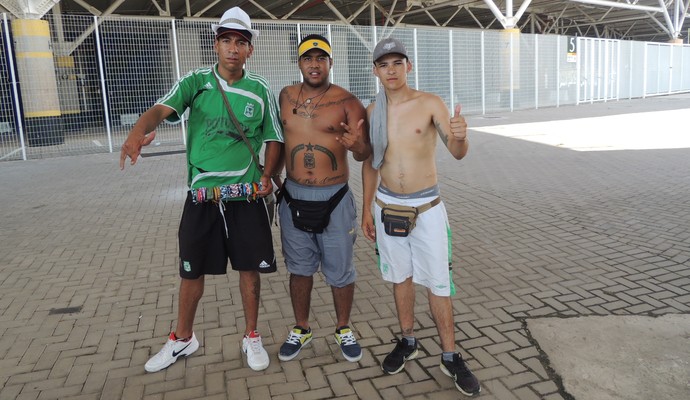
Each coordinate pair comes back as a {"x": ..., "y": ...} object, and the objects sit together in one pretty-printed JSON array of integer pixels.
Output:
[{"x": 308, "y": 101}]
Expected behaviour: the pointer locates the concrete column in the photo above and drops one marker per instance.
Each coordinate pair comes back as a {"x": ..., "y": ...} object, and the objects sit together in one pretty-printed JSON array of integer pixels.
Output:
[{"x": 39, "y": 90}]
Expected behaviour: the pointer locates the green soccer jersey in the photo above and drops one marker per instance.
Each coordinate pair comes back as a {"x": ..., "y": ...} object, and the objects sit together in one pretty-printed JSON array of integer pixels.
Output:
[{"x": 216, "y": 153}]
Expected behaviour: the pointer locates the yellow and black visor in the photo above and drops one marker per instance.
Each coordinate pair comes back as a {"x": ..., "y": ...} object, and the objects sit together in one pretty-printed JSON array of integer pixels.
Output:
[{"x": 314, "y": 44}]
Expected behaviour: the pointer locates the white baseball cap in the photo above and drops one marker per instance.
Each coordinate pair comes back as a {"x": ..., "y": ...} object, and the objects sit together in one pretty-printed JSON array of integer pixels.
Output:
[{"x": 235, "y": 19}]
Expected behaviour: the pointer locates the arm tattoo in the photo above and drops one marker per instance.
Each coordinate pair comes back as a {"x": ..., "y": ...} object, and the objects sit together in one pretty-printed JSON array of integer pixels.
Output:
[{"x": 441, "y": 133}]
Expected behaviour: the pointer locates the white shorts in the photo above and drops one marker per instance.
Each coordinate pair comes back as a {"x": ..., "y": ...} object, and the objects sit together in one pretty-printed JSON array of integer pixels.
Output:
[{"x": 425, "y": 254}]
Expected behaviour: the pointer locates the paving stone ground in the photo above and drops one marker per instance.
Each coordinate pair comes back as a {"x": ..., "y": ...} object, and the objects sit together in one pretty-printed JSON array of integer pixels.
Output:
[{"x": 88, "y": 273}]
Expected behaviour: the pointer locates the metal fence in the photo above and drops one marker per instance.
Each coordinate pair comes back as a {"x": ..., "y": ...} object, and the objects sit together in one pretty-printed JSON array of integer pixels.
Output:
[{"x": 79, "y": 88}]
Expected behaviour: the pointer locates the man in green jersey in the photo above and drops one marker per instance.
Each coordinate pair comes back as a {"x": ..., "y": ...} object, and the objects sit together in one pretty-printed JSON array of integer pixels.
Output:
[{"x": 218, "y": 222}]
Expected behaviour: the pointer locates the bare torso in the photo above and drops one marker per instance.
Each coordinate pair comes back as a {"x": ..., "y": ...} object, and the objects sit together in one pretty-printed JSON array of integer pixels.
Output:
[
  {"x": 409, "y": 164},
  {"x": 313, "y": 157}
]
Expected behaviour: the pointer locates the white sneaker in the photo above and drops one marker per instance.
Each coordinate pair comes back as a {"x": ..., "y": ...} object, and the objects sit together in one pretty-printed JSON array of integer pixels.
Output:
[
  {"x": 171, "y": 351},
  {"x": 257, "y": 358}
]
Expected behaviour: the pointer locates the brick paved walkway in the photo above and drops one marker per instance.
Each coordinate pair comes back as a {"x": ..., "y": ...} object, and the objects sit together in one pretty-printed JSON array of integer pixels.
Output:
[{"x": 88, "y": 279}]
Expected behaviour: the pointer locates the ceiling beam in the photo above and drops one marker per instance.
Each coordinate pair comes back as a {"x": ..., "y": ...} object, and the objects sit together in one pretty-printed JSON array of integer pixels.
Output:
[
  {"x": 294, "y": 10},
  {"x": 432, "y": 18},
  {"x": 160, "y": 9},
  {"x": 356, "y": 13},
  {"x": 208, "y": 7},
  {"x": 613, "y": 21},
  {"x": 653, "y": 18},
  {"x": 497, "y": 13},
  {"x": 521, "y": 10},
  {"x": 78, "y": 41},
  {"x": 88, "y": 7},
  {"x": 389, "y": 31},
  {"x": 672, "y": 29},
  {"x": 474, "y": 17},
  {"x": 555, "y": 22},
  {"x": 390, "y": 13},
  {"x": 673, "y": 32},
  {"x": 377, "y": 5},
  {"x": 607, "y": 3},
  {"x": 452, "y": 16},
  {"x": 509, "y": 20},
  {"x": 625, "y": 35},
  {"x": 342, "y": 18},
  {"x": 427, "y": 8},
  {"x": 265, "y": 11}
]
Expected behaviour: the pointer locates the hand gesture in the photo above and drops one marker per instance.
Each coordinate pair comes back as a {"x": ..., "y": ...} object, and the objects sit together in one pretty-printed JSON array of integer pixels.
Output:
[
  {"x": 458, "y": 126},
  {"x": 132, "y": 147},
  {"x": 353, "y": 138}
]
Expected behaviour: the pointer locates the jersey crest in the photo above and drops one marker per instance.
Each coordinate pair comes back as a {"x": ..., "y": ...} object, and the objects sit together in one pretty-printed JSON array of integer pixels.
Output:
[{"x": 249, "y": 110}]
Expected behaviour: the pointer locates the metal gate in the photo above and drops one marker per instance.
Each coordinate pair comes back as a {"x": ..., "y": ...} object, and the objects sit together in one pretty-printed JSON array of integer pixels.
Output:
[
  {"x": 598, "y": 69},
  {"x": 664, "y": 67}
]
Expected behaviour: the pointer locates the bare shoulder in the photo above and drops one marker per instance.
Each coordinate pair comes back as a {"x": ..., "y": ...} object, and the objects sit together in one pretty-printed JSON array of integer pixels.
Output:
[
  {"x": 429, "y": 98},
  {"x": 434, "y": 105},
  {"x": 288, "y": 90},
  {"x": 342, "y": 93}
]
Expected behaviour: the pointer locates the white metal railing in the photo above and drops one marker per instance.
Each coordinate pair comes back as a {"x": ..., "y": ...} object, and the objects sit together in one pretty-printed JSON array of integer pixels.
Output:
[{"x": 110, "y": 70}]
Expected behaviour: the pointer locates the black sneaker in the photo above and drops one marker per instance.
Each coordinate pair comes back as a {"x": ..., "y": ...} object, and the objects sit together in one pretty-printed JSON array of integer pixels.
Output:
[
  {"x": 352, "y": 351},
  {"x": 395, "y": 360},
  {"x": 298, "y": 338},
  {"x": 465, "y": 381}
]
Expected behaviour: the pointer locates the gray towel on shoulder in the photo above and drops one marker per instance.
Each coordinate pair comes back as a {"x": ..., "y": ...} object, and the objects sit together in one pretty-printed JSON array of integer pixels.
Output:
[{"x": 378, "y": 128}]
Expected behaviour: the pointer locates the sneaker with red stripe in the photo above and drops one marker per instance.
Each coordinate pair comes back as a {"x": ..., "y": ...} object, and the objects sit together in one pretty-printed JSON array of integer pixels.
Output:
[
  {"x": 257, "y": 358},
  {"x": 173, "y": 349}
]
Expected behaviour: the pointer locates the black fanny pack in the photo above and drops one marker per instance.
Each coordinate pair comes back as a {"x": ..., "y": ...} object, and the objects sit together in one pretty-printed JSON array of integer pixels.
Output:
[{"x": 313, "y": 216}]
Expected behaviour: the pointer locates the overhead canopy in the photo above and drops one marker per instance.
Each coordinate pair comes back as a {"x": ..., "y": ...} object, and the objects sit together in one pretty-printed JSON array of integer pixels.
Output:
[{"x": 651, "y": 20}]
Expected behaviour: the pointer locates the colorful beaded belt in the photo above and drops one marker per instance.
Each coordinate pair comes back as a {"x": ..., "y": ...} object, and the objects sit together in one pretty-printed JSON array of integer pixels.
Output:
[{"x": 226, "y": 192}]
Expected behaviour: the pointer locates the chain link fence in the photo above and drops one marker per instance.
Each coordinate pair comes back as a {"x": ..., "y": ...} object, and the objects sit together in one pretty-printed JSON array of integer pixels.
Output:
[{"x": 73, "y": 85}]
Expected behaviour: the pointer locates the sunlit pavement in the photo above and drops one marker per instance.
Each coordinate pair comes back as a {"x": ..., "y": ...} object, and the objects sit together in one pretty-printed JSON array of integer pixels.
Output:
[{"x": 542, "y": 236}]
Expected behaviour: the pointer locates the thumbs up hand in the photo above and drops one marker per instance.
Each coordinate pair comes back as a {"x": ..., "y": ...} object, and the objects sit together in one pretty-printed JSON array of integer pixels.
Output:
[{"x": 458, "y": 126}]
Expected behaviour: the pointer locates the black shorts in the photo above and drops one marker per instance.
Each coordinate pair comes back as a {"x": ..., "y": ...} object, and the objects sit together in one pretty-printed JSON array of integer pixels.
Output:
[{"x": 205, "y": 248}]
